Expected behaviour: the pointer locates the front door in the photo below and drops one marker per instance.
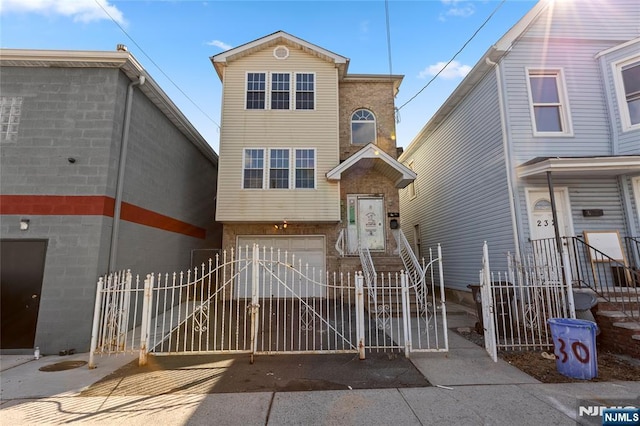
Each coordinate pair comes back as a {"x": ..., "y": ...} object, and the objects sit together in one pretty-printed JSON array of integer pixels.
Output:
[
  {"x": 371, "y": 223},
  {"x": 20, "y": 286},
  {"x": 541, "y": 225}
]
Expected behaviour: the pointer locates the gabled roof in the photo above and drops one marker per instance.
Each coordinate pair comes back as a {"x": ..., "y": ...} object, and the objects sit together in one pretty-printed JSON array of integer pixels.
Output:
[
  {"x": 280, "y": 37},
  {"x": 372, "y": 156},
  {"x": 123, "y": 60},
  {"x": 481, "y": 68}
]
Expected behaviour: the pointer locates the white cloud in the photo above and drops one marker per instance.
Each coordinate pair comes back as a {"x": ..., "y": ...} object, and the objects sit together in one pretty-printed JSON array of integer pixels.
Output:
[
  {"x": 457, "y": 9},
  {"x": 364, "y": 27},
  {"x": 79, "y": 10},
  {"x": 221, "y": 44},
  {"x": 454, "y": 70}
]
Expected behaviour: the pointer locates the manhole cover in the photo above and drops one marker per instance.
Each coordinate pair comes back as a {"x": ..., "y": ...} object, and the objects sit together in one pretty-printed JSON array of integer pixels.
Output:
[{"x": 65, "y": 365}]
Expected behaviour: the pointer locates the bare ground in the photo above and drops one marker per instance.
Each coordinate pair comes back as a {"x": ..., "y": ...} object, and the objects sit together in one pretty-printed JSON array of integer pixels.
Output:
[{"x": 611, "y": 367}]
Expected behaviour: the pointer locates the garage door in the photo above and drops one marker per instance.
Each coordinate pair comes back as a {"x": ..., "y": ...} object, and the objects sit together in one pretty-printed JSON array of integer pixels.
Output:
[{"x": 307, "y": 249}]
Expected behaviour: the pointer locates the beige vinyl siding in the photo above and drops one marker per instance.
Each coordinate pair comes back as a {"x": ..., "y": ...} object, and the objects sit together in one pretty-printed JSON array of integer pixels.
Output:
[{"x": 242, "y": 128}]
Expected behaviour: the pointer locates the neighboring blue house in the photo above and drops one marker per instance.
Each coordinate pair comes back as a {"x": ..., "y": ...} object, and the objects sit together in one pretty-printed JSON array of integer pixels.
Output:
[{"x": 554, "y": 103}]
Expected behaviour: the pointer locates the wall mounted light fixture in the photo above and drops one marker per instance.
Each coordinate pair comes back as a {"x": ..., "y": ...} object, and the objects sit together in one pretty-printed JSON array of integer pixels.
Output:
[
  {"x": 281, "y": 226},
  {"x": 24, "y": 224}
]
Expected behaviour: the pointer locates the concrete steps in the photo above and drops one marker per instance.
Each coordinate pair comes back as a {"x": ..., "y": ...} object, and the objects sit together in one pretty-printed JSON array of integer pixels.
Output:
[{"x": 620, "y": 332}]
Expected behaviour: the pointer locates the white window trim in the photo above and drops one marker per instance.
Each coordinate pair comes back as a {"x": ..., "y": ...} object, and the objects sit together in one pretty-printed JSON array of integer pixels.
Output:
[
  {"x": 292, "y": 90},
  {"x": 412, "y": 184},
  {"x": 268, "y": 169},
  {"x": 270, "y": 89},
  {"x": 623, "y": 108},
  {"x": 565, "y": 114},
  {"x": 264, "y": 168},
  {"x": 315, "y": 168},
  {"x": 375, "y": 126},
  {"x": 635, "y": 184},
  {"x": 267, "y": 98},
  {"x": 295, "y": 91}
]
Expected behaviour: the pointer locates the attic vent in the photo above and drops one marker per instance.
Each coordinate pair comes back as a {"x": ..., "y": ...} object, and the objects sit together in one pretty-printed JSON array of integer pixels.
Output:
[{"x": 281, "y": 52}]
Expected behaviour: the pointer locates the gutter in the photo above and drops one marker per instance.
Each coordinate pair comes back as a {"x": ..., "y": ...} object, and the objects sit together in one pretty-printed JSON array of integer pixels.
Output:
[{"x": 121, "y": 169}]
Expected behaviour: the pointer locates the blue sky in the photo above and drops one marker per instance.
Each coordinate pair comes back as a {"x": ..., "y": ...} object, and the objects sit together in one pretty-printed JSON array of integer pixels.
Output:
[{"x": 174, "y": 40}]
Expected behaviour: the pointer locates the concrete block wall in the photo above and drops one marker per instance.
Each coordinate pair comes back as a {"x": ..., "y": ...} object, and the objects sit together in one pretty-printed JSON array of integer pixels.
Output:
[
  {"x": 78, "y": 113},
  {"x": 166, "y": 174}
]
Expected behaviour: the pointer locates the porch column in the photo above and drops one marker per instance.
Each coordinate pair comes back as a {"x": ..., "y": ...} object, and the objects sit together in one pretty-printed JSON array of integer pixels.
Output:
[{"x": 554, "y": 212}]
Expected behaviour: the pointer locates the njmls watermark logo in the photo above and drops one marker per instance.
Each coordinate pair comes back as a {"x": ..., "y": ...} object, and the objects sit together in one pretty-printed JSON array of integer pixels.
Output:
[{"x": 609, "y": 412}]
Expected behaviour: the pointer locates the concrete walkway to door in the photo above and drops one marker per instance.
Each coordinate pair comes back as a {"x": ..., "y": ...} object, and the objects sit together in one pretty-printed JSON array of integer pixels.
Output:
[{"x": 466, "y": 387}]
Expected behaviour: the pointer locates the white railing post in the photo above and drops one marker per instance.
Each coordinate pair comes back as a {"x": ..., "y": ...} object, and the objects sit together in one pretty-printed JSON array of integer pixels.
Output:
[
  {"x": 486, "y": 294},
  {"x": 146, "y": 321},
  {"x": 443, "y": 301},
  {"x": 406, "y": 314},
  {"x": 255, "y": 277},
  {"x": 360, "y": 314},
  {"x": 96, "y": 324},
  {"x": 568, "y": 279}
]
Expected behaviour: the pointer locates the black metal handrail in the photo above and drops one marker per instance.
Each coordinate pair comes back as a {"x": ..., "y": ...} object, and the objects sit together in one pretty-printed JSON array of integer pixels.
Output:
[{"x": 609, "y": 278}]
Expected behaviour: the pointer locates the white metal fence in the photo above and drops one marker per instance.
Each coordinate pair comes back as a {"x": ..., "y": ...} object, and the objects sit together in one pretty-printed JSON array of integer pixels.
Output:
[
  {"x": 263, "y": 301},
  {"x": 517, "y": 303}
]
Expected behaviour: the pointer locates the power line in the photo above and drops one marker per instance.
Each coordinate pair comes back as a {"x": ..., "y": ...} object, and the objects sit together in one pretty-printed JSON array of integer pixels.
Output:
[
  {"x": 454, "y": 56},
  {"x": 156, "y": 65}
]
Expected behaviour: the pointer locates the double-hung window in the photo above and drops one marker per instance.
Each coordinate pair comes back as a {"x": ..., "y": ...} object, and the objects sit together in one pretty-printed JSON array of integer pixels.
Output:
[
  {"x": 305, "y": 91},
  {"x": 253, "y": 176},
  {"x": 256, "y": 86},
  {"x": 280, "y": 90},
  {"x": 548, "y": 103},
  {"x": 279, "y": 168},
  {"x": 305, "y": 168},
  {"x": 628, "y": 87}
]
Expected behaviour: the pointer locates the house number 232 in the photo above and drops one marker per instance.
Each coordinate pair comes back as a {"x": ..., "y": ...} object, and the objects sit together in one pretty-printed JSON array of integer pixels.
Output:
[{"x": 545, "y": 222}]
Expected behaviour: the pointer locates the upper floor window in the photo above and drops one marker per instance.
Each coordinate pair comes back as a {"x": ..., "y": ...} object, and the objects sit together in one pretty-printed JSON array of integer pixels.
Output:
[
  {"x": 305, "y": 168},
  {"x": 279, "y": 168},
  {"x": 363, "y": 127},
  {"x": 305, "y": 91},
  {"x": 253, "y": 176},
  {"x": 548, "y": 103},
  {"x": 628, "y": 87},
  {"x": 256, "y": 86},
  {"x": 280, "y": 90},
  {"x": 411, "y": 186},
  {"x": 10, "y": 111}
]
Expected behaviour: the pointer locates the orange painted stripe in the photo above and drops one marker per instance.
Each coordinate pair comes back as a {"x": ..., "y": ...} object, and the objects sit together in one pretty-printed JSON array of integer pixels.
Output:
[
  {"x": 93, "y": 205},
  {"x": 62, "y": 205},
  {"x": 146, "y": 217}
]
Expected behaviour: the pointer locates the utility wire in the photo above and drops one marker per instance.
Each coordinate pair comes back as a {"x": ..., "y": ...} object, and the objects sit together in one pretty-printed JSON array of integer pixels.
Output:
[
  {"x": 393, "y": 94},
  {"x": 457, "y": 53},
  {"x": 156, "y": 65}
]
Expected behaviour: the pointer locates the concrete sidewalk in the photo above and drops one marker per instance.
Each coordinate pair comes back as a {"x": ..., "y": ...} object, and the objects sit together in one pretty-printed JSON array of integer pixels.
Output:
[{"x": 468, "y": 389}]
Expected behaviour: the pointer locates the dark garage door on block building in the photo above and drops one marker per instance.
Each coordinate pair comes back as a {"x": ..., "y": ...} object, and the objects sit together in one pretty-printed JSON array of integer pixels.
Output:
[{"x": 21, "y": 273}]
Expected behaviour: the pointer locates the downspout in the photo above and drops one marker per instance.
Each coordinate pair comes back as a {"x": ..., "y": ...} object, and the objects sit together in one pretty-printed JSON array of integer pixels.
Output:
[
  {"x": 507, "y": 158},
  {"x": 121, "y": 168}
]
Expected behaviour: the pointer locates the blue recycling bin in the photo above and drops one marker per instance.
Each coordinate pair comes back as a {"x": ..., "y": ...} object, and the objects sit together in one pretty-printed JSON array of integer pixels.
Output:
[{"x": 574, "y": 342}]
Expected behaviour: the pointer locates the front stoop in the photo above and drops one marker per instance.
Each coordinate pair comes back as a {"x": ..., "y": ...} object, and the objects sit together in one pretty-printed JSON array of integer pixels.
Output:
[{"x": 619, "y": 333}]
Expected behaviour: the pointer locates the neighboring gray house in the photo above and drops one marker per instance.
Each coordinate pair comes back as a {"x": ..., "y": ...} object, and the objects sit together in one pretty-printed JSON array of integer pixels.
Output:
[
  {"x": 557, "y": 96},
  {"x": 87, "y": 137}
]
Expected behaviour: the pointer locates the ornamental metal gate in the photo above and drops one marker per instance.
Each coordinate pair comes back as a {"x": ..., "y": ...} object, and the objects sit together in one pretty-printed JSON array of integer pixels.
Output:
[{"x": 260, "y": 301}]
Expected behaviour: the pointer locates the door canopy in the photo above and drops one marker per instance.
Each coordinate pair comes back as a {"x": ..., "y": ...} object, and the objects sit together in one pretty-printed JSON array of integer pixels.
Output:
[{"x": 372, "y": 156}]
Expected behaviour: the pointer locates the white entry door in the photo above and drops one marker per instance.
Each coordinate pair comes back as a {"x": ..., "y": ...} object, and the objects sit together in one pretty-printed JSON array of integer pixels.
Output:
[
  {"x": 541, "y": 225},
  {"x": 371, "y": 223}
]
